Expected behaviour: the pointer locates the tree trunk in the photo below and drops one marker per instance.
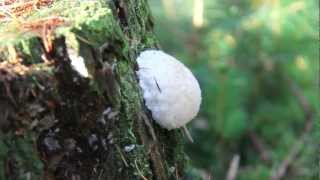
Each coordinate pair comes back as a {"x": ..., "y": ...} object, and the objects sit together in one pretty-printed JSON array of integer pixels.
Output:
[{"x": 56, "y": 124}]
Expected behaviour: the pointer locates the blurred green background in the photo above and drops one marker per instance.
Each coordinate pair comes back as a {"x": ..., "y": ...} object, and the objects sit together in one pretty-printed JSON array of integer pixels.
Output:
[{"x": 257, "y": 62}]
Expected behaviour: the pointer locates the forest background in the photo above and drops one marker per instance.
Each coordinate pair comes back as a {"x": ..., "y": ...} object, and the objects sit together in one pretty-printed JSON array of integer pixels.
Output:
[{"x": 258, "y": 66}]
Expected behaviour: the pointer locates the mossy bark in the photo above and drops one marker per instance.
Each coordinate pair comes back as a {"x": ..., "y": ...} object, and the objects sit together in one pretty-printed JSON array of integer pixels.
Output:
[{"x": 58, "y": 125}]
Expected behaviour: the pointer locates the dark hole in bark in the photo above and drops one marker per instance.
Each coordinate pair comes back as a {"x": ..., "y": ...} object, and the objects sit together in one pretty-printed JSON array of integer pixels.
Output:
[{"x": 121, "y": 12}]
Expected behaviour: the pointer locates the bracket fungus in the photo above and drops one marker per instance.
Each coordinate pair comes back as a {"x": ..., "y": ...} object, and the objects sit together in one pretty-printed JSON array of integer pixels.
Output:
[{"x": 170, "y": 90}]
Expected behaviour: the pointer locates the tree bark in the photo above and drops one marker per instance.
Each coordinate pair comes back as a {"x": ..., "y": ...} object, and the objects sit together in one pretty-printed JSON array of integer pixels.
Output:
[{"x": 58, "y": 125}]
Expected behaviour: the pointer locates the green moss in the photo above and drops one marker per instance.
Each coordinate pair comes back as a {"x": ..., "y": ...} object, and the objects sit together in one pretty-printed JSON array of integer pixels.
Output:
[
  {"x": 74, "y": 12},
  {"x": 93, "y": 26},
  {"x": 31, "y": 50},
  {"x": 138, "y": 158},
  {"x": 21, "y": 152},
  {"x": 89, "y": 21}
]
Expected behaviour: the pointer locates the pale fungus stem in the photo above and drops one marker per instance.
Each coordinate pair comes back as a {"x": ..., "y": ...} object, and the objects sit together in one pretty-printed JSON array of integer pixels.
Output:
[{"x": 187, "y": 133}]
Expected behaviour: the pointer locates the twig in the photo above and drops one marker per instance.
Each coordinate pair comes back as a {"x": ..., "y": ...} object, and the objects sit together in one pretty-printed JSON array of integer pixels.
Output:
[
  {"x": 149, "y": 126},
  {"x": 187, "y": 133},
  {"x": 139, "y": 172},
  {"x": 177, "y": 173},
  {"x": 260, "y": 146},
  {"x": 122, "y": 156},
  {"x": 9, "y": 94},
  {"x": 296, "y": 91},
  {"x": 206, "y": 175},
  {"x": 296, "y": 148},
  {"x": 282, "y": 169},
  {"x": 233, "y": 168}
]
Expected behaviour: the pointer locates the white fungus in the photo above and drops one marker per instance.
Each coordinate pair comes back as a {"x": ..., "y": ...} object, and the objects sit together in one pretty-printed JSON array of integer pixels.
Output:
[
  {"x": 78, "y": 65},
  {"x": 170, "y": 90},
  {"x": 129, "y": 148}
]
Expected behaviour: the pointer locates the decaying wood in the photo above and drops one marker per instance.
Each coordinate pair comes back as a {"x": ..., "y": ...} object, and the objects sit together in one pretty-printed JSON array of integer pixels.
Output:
[{"x": 56, "y": 124}]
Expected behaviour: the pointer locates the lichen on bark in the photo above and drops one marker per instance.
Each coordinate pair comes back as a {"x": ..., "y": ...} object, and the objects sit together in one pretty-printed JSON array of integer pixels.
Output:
[{"x": 56, "y": 124}]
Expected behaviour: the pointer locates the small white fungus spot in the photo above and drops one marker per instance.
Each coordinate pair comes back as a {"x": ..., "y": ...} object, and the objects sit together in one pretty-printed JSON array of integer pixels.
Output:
[
  {"x": 106, "y": 111},
  {"x": 78, "y": 65},
  {"x": 129, "y": 148},
  {"x": 170, "y": 90}
]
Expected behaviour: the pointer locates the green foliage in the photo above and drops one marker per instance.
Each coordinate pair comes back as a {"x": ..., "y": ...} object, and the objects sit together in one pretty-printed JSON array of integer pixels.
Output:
[
  {"x": 246, "y": 58},
  {"x": 19, "y": 153},
  {"x": 260, "y": 172}
]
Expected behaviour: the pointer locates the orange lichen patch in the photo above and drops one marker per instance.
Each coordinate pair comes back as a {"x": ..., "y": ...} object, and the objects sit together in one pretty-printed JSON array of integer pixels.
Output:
[
  {"x": 38, "y": 25},
  {"x": 13, "y": 69},
  {"x": 13, "y": 66},
  {"x": 14, "y": 8},
  {"x": 44, "y": 28}
]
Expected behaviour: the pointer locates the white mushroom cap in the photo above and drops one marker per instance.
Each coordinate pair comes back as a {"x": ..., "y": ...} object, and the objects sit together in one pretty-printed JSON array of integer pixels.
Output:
[{"x": 169, "y": 88}]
